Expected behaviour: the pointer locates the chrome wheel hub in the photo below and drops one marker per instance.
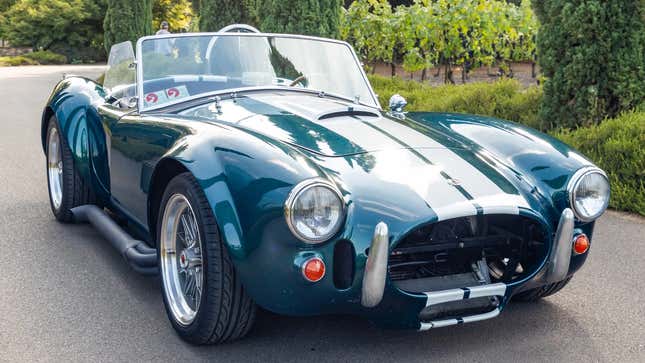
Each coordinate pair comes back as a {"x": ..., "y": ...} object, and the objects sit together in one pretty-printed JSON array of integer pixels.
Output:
[
  {"x": 181, "y": 259},
  {"x": 55, "y": 168}
]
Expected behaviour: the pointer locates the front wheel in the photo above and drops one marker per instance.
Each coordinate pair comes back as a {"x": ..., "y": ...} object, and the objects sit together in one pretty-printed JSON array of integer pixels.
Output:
[
  {"x": 204, "y": 299},
  {"x": 66, "y": 189}
]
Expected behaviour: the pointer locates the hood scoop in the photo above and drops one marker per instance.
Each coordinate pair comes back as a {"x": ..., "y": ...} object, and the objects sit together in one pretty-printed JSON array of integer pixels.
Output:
[{"x": 350, "y": 111}]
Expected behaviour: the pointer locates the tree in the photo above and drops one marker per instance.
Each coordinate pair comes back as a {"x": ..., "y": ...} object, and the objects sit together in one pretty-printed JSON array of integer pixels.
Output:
[
  {"x": 4, "y": 6},
  {"x": 310, "y": 17},
  {"x": 69, "y": 27},
  {"x": 373, "y": 30},
  {"x": 178, "y": 14},
  {"x": 592, "y": 53},
  {"x": 216, "y": 14},
  {"x": 445, "y": 33},
  {"x": 127, "y": 20}
]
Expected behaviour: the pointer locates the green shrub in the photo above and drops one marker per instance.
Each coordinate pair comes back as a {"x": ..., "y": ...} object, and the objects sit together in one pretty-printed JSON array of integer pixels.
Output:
[
  {"x": 321, "y": 17},
  {"x": 46, "y": 57},
  {"x": 216, "y": 14},
  {"x": 69, "y": 27},
  {"x": 616, "y": 146},
  {"x": 126, "y": 20},
  {"x": 592, "y": 54},
  {"x": 16, "y": 61},
  {"x": 505, "y": 99}
]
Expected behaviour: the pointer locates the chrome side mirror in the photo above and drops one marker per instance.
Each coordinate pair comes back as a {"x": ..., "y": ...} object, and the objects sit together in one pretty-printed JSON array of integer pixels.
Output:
[{"x": 397, "y": 103}]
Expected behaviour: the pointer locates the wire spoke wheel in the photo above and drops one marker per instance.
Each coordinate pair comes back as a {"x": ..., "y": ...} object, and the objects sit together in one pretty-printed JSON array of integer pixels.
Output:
[{"x": 181, "y": 259}]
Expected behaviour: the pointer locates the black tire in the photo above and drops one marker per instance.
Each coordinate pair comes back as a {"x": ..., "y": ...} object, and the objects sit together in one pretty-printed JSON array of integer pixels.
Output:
[
  {"x": 74, "y": 190},
  {"x": 225, "y": 312},
  {"x": 542, "y": 291}
]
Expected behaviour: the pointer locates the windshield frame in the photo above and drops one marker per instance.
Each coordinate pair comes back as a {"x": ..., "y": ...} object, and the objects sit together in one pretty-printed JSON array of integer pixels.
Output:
[{"x": 140, "y": 65}]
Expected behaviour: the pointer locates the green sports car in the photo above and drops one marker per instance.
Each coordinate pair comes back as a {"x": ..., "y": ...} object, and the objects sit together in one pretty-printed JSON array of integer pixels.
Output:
[{"x": 250, "y": 169}]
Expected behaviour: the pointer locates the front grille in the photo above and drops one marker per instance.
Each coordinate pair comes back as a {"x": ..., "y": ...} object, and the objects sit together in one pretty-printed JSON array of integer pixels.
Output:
[{"x": 469, "y": 250}]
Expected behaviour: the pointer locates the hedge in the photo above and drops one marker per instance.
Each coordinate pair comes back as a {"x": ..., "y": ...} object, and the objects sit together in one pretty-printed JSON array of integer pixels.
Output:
[
  {"x": 618, "y": 147},
  {"x": 46, "y": 57},
  {"x": 505, "y": 99},
  {"x": 615, "y": 145},
  {"x": 16, "y": 61},
  {"x": 34, "y": 58}
]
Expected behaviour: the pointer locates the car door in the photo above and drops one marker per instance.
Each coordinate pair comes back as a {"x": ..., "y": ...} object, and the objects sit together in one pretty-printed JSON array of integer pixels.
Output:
[{"x": 136, "y": 145}]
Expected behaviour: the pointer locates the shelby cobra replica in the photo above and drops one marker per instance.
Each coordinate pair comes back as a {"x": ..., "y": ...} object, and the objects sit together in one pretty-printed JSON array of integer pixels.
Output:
[{"x": 252, "y": 169}]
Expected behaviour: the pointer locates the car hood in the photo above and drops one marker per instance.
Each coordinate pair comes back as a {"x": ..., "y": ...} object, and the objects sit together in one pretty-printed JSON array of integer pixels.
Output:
[
  {"x": 453, "y": 165},
  {"x": 321, "y": 125}
]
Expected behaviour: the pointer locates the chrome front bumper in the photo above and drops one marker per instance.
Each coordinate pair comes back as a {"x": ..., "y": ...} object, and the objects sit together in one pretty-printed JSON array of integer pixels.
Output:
[{"x": 374, "y": 277}]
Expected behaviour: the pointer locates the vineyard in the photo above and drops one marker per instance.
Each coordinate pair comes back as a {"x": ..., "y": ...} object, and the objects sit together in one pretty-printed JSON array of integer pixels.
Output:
[{"x": 442, "y": 34}]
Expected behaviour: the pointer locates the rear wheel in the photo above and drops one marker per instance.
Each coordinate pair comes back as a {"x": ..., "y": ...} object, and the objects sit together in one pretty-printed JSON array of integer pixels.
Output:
[
  {"x": 542, "y": 291},
  {"x": 204, "y": 299},
  {"x": 66, "y": 189}
]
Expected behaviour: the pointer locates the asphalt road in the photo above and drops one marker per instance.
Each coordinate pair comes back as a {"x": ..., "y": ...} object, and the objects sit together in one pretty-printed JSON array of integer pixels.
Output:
[{"x": 66, "y": 295}]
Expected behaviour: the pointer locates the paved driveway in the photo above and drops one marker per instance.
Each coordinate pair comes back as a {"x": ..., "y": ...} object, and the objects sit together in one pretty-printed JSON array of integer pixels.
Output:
[{"x": 66, "y": 295}]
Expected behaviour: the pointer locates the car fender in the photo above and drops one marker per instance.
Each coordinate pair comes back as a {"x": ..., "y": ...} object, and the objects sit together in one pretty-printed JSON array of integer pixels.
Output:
[
  {"x": 537, "y": 160},
  {"x": 244, "y": 200},
  {"x": 73, "y": 102}
]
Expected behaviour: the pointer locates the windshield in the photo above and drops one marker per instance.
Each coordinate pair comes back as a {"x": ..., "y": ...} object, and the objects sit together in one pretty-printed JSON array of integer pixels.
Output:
[
  {"x": 175, "y": 68},
  {"x": 120, "y": 74}
]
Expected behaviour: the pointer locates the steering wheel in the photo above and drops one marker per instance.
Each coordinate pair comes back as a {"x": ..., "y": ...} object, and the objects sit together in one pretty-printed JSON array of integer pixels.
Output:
[{"x": 298, "y": 80}]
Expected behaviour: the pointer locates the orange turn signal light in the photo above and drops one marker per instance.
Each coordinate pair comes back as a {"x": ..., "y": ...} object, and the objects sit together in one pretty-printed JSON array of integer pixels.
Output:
[
  {"x": 580, "y": 244},
  {"x": 313, "y": 269}
]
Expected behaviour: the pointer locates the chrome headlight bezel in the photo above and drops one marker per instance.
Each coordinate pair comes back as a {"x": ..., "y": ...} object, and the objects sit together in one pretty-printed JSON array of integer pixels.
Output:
[
  {"x": 296, "y": 192},
  {"x": 572, "y": 189}
]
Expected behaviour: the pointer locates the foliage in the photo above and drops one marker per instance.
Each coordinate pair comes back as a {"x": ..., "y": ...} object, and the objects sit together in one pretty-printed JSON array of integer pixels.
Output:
[
  {"x": 69, "y": 27},
  {"x": 616, "y": 146},
  {"x": 178, "y": 14},
  {"x": 16, "y": 61},
  {"x": 312, "y": 17},
  {"x": 592, "y": 53},
  {"x": 216, "y": 14},
  {"x": 34, "y": 58},
  {"x": 465, "y": 33},
  {"x": 373, "y": 30},
  {"x": 127, "y": 20},
  {"x": 503, "y": 99},
  {"x": 46, "y": 57},
  {"x": 4, "y": 6}
]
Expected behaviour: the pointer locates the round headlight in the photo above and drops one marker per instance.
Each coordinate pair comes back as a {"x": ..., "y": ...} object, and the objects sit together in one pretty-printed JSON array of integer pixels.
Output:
[
  {"x": 314, "y": 210},
  {"x": 589, "y": 193}
]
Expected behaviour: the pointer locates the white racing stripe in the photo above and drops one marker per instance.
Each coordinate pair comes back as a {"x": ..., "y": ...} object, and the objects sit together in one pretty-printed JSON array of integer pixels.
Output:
[
  {"x": 486, "y": 194},
  {"x": 399, "y": 166},
  {"x": 408, "y": 167}
]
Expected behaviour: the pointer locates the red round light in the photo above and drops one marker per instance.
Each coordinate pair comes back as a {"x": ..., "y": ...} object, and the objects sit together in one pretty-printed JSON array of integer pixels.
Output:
[
  {"x": 581, "y": 244},
  {"x": 313, "y": 269}
]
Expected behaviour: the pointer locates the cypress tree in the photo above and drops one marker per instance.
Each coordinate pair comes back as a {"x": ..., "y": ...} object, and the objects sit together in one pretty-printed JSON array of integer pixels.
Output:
[
  {"x": 309, "y": 17},
  {"x": 216, "y": 14},
  {"x": 592, "y": 53},
  {"x": 127, "y": 20}
]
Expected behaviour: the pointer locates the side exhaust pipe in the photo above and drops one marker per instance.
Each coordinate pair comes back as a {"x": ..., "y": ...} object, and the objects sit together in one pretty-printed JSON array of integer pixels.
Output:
[{"x": 141, "y": 257}]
